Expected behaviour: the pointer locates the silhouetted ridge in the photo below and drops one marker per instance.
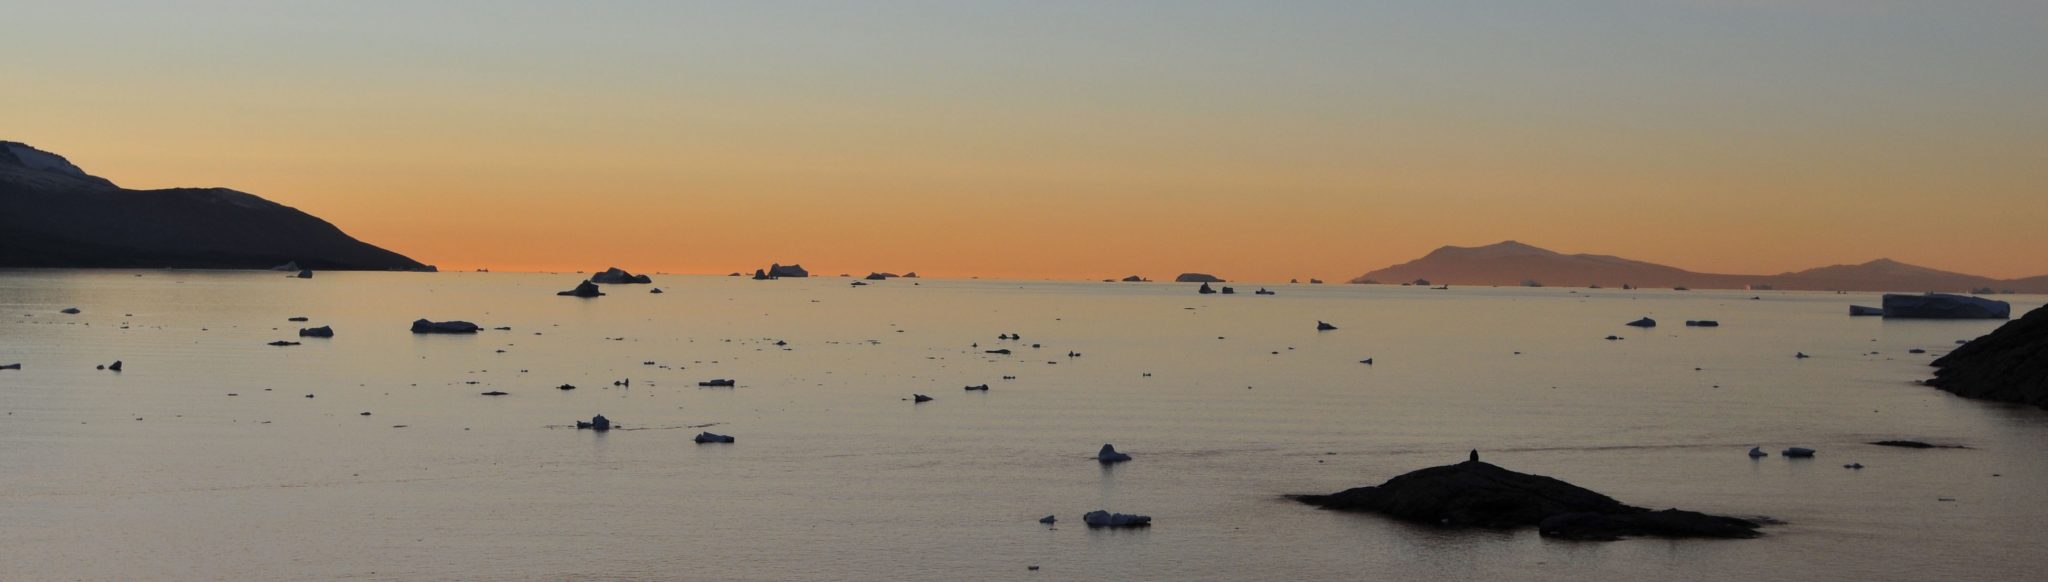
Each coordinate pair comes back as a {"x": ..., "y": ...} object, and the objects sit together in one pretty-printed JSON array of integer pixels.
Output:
[
  {"x": 1512, "y": 263},
  {"x": 54, "y": 214}
]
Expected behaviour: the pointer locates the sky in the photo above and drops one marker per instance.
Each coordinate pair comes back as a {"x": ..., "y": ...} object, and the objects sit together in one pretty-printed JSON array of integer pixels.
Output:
[{"x": 1050, "y": 139}]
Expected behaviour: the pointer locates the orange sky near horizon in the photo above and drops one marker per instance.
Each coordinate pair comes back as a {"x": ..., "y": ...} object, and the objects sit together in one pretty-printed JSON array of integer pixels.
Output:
[{"x": 1075, "y": 141}]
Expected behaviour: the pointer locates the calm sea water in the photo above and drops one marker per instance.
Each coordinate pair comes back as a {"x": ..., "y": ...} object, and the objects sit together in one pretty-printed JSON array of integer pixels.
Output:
[{"x": 205, "y": 459}]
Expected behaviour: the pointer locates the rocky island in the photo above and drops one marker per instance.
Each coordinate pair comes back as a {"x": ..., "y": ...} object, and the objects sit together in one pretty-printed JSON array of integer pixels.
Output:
[{"x": 1477, "y": 494}]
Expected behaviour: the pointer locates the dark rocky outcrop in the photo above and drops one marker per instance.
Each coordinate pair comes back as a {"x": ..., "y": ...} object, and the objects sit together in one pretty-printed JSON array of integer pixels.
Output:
[
  {"x": 1197, "y": 278},
  {"x": 719, "y": 383},
  {"x": 1205, "y": 290},
  {"x": 1324, "y": 326},
  {"x": 322, "y": 331},
  {"x": 598, "y": 422},
  {"x": 1864, "y": 311},
  {"x": 875, "y": 276},
  {"x": 1478, "y": 494},
  {"x": 1108, "y": 454},
  {"x": 709, "y": 437},
  {"x": 584, "y": 289},
  {"x": 1136, "y": 279},
  {"x": 1643, "y": 323},
  {"x": 779, "y": 271},
  {"x": 618, "y": 276},
  {"x": 53, "y": 214},
  {"x": 2010, "y": 364},
  {"x": 1100, "y": 518},
  {"x": 283, "y": 343},
  {"x": 1915, "y": 445},
  {"x": 424, "y": 326},
  {"x": 1944, "y": 306}
]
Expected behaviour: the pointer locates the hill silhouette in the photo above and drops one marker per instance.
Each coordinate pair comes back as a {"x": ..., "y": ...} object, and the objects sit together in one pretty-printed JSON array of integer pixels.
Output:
[
  {"x": 1515, "y": 263},
  {"x": 54, "y": 214}
]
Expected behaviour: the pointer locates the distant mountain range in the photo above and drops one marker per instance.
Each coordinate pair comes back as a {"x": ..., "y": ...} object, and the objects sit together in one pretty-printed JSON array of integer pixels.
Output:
[
  {"x": 1514, "y": 263},
  {"x": 53, "y": 214}
]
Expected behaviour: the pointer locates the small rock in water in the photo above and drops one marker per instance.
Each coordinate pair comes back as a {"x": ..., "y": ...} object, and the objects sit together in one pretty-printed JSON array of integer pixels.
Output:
[
  {"x": 1047, "y": 519},
  {"x": 322, "y": 331},
  {"x": 1101, "y": 518},
  {"x": 598, "y": 422},
  {"x": 566, "y": 387},
  {"x": 718, "y": 383},
  {"x": 915, "y": 398},
  {"x": 282, "y": 343},
  {"x": 1801, "y": 356},
  {"x": 70, "y": 311},
  {"x": 10, "y": 366},
  {"x": 585, "y": 289},
  {"x": 983, "y": 388},
  {"x": 425, "y": 326},
  {"x": 1324, "y": 326},
  {"x": 1108, "y": 454},
  {"x": 1798, "y": 453},
  {"x": 365, "y": 414},
  {"x": 1757, "y": 453},
  {"x": 116, "y": 366},
  {"x": 1643, "y": 323},
  {"x": 300, "y": 318},
  {"x": 495, "y": 393},
  {"x": 707, "y": 437},
  {"x": 1858, "y": 466}
]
